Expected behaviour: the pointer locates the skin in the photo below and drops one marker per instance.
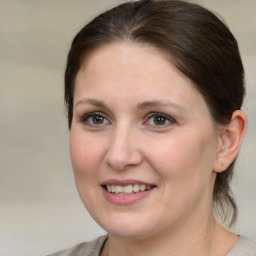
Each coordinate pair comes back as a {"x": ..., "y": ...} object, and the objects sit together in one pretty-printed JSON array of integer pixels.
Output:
[{"x": 180, "y": 155}]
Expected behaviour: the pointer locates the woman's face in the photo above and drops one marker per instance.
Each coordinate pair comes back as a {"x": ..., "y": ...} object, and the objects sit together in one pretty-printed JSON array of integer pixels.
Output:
[{"x": 143, "y": 143}]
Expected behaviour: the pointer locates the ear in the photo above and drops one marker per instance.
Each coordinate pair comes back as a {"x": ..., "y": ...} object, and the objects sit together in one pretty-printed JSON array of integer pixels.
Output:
[{"x": 231, "y": 137}]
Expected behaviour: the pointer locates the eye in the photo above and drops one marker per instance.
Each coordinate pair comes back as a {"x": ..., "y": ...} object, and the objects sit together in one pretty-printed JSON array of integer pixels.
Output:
[
  {"x": 95, "y": 119},
  {"x": 159, "y": 119}
]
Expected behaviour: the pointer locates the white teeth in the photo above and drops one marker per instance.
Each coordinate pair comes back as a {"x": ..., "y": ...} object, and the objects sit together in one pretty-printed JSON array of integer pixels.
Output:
[
  {"x": 142, "y": 187},
  {"x": 136, "y": 188},
  {"x": 128, "y": 189},
  {"x": 113, "y": 189},
  {"x": 119, "y": 189}
]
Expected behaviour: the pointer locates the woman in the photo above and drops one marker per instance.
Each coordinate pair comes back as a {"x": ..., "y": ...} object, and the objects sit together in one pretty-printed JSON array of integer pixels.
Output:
[{"x": 154, "y": 92}]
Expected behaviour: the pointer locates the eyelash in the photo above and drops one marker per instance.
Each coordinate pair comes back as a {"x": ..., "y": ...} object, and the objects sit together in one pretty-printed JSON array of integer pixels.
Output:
[
  {"x": 161, "y": 115},
  {"x": 85, "y": 118},
  {"x": 165, "y": 118}
]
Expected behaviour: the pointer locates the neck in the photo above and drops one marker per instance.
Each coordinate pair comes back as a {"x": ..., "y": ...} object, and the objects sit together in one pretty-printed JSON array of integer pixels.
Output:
[{"x": 194, "y": 241}]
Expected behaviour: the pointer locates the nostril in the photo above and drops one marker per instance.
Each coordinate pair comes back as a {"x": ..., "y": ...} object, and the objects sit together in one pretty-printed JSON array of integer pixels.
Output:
[{"x": 120, "y": 161}]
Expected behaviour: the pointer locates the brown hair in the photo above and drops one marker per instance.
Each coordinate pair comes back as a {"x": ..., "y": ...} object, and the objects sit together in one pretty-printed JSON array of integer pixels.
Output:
[{"x": 201, "y": 45}]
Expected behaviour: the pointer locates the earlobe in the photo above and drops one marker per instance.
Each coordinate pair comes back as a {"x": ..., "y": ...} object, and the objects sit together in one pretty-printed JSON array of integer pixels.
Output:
[{"x": 230, "y": 141}]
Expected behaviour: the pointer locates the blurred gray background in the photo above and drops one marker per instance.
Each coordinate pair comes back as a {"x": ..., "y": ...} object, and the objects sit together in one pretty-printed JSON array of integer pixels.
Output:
[{"x": 40, "y": 211}]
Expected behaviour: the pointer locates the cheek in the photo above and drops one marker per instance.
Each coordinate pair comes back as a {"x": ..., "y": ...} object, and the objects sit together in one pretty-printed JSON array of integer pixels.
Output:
[
  {"x": 185, "y": 160},
  {"x": 174, "y": 154},
  {"x": 185, "y": 166},
  {"x": 85, "y": 156}
]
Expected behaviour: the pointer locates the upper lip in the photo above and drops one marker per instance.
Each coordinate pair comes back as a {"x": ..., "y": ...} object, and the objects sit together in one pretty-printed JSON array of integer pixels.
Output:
[{"x": 125, "y": 182}]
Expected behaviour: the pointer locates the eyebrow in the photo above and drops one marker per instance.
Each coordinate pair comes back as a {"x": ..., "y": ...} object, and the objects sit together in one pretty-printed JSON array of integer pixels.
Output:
[
  {"x": 94, "y": 102},
  {"x": 140, "y": 106},
  {"x": 158, "y": 103}
]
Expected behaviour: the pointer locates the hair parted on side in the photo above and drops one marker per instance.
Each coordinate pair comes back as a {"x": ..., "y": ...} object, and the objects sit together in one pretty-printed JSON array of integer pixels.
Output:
[{"x": 200, "y": 45}]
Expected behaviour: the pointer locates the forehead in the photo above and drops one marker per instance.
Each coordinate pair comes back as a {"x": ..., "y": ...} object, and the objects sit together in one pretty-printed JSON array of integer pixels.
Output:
[
  {"x": 135, "y": 72},
  {"x": 130, "y": 60}
]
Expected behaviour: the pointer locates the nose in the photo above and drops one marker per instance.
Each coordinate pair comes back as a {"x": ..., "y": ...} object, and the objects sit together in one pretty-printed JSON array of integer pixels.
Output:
[{"x": 123, "y": 151}]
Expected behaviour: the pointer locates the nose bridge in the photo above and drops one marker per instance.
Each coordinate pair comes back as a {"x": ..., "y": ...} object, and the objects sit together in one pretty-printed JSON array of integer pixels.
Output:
[{"x": 123, "y": 150}]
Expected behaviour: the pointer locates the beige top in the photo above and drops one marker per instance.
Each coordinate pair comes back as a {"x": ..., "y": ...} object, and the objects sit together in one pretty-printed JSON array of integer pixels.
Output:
[{"x": 243, "y": 247}]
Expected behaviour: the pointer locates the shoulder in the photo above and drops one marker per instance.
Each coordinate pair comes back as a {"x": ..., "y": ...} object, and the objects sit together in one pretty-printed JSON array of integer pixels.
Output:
[
  {"x": 243, "y": 247},
  {"x": 84, "y": 249}
]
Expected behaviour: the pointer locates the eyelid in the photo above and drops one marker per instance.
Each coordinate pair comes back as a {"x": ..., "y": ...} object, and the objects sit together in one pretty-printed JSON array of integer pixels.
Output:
[
  {"x": 95, "y": 113},
  {"x": 170, "y": 119},
  {"x": 167, "y": 117}
]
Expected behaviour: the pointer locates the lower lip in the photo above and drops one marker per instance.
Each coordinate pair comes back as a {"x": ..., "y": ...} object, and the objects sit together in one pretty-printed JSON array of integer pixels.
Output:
[{"x": 126, "y": 199}]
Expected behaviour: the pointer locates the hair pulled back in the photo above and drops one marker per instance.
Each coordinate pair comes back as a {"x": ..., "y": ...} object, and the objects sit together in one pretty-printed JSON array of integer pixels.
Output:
[{"x": 200, "y": 45}]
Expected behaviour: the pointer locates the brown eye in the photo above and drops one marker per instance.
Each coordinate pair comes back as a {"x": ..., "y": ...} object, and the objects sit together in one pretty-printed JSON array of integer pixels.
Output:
[
  {"x": 159, "y": 120},
  {"x": 98, "y": 119},
  {"x": 95, "y": 119}
]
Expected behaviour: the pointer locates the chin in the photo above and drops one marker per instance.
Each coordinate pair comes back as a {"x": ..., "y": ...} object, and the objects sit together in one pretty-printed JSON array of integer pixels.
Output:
[
  {"x": 128, "y": 227},
  {"x": 129, "y": 233}
]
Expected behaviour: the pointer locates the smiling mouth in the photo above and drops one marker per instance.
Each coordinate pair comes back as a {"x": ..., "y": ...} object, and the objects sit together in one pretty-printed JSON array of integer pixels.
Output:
[{"x": 128, "y": 189}]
